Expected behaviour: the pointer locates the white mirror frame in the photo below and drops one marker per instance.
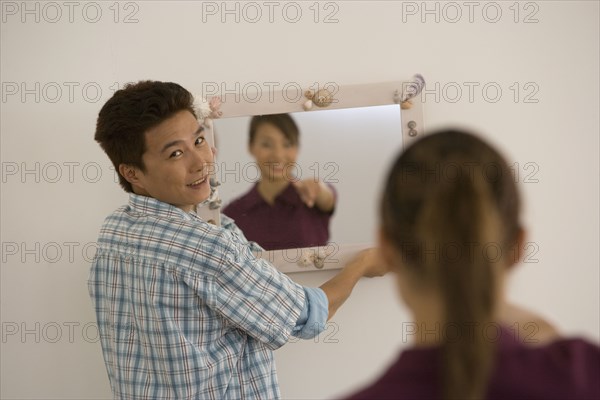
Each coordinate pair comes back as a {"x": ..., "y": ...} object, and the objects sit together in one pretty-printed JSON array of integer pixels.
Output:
[{"x": 407, "y": 94}]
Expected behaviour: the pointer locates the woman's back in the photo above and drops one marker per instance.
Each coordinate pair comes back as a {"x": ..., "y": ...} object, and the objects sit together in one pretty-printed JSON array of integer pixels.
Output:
[{"x": 563, "y": 369}]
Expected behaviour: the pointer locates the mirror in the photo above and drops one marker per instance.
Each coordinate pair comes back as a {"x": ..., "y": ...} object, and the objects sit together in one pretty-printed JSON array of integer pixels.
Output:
[
  {"x": 347, "y": 148},
  {"x": 348, "y": 138}
]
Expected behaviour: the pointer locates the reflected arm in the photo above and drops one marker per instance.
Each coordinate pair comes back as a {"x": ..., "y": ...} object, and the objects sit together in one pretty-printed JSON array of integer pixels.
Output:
[
  {"x": 316, "y": 194},
  {"x": 325, "y": 200}
]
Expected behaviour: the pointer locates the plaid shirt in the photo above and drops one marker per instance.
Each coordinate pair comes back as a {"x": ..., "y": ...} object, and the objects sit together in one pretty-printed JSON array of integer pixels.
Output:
[{"x": 186, "y": 311}]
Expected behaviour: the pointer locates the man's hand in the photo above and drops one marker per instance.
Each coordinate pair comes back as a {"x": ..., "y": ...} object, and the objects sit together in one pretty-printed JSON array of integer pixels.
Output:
[
  {"x": 370, "y": 262},
  {"x": 367, "y": 263}
]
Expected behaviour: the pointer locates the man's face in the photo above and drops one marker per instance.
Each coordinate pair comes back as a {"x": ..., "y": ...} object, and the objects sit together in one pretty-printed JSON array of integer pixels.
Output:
[{"x": 178, "y": 161}]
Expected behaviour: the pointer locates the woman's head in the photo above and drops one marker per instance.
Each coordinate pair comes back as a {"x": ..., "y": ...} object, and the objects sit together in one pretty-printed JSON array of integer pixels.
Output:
[
  {"x": 273, "y": 141},
  {"x": 456, "y": 166},
  {"x": 450, "y": 214}
]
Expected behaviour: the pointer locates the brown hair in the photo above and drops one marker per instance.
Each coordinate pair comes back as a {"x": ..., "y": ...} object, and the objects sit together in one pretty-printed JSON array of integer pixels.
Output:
[
  {"x": 446, "y": 198},
  {"x": 284, "y": 122},
  {"x": 130, "y": 112}
]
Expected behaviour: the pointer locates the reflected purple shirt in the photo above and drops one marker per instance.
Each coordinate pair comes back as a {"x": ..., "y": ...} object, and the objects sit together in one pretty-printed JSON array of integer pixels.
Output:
[
  {"x": 288, "y": 223},
  {"x": 564, "y": 369}
]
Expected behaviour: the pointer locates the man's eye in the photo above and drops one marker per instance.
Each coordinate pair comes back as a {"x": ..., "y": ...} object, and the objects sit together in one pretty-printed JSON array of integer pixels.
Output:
[
  {"x": 176, "y": 153},
  {"x": 200, "y": 140}
]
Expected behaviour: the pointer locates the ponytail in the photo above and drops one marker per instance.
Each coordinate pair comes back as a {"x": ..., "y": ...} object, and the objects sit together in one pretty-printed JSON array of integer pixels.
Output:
[{"x": 460, "y": 220}]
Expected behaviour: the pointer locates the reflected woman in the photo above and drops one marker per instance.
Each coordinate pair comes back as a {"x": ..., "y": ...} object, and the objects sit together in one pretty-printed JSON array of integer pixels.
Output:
[{"x": 281, "y": 210}]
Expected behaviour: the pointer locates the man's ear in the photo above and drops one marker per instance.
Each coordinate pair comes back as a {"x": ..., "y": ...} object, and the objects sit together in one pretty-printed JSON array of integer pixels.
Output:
[
  {"x": 131, "y": 174},
  {"x": 516, "y": 254}
]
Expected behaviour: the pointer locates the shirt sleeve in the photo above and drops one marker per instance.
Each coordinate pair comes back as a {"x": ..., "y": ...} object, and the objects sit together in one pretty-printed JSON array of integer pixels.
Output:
[
  {"x": 255, "y": 297},
  {"x": 314, "y": 315}
]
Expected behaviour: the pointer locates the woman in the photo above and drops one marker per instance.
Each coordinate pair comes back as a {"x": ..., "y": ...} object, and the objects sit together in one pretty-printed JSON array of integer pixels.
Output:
[
  {"x": 281, "y": 211},
  {"x": 450, "y": 230}
]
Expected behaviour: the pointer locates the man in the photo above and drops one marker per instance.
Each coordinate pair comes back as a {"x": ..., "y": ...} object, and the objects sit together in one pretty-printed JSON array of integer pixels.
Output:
[{"x": 184, "y": 309}]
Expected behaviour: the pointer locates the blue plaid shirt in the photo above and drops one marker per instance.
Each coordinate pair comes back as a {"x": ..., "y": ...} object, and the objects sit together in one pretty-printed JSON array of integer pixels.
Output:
[{"x": 186, "y": 311}]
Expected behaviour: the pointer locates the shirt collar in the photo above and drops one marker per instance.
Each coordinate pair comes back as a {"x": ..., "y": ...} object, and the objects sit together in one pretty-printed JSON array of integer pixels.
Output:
[
  {"x": 288, "y": 196},
  {"x": 152, "y": 206},
  {"x": 253, "y": 199}
]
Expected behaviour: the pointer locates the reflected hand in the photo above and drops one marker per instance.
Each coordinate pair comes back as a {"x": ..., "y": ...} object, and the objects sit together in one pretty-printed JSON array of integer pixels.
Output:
[{"x": 309, "y": 190}]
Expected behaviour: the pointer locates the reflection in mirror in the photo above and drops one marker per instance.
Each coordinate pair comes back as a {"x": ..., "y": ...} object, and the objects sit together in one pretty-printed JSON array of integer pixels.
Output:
[{"x": 347, "y": 148}]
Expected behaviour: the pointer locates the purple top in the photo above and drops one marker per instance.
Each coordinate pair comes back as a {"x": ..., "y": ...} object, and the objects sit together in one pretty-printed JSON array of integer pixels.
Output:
[
  {"x": 288, "y": 223},
  {"x": 564, "y": 369}
]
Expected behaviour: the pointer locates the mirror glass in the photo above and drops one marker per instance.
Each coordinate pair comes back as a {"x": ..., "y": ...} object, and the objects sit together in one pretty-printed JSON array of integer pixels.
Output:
[{"x": 348, "y": 148}]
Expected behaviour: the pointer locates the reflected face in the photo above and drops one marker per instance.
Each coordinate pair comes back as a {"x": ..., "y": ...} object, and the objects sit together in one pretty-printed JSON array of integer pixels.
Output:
[
  {"x": 178, "y": 161},
  {"x": 274, "y": 153}
]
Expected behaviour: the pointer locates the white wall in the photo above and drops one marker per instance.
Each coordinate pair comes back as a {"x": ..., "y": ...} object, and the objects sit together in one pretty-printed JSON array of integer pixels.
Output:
[{"x": 57, "y": 185}]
